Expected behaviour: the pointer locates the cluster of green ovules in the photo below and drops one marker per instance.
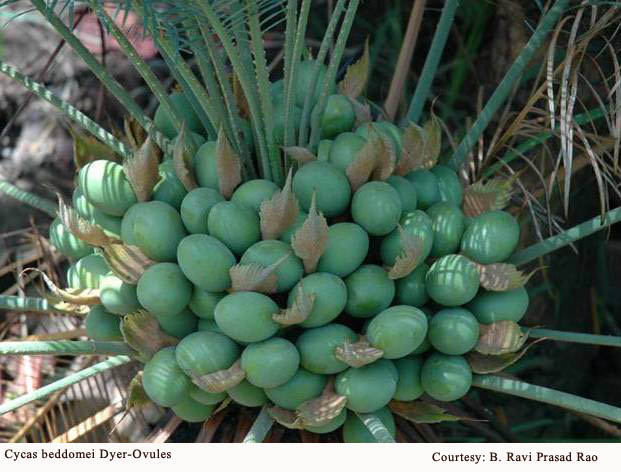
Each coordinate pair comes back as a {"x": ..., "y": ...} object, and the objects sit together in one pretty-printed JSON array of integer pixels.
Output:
[{"x": 423, "y": 323}]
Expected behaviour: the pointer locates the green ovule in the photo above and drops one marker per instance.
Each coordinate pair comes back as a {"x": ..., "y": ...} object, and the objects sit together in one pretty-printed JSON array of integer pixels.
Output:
[
  {"x": 208, "y": 325},
  {"x": 454, "y": 331},
  {"x": 205, "y": 261},
  {"x": 354, "y": 430},
  {"x": 489, "y": 307},
  {"x": 205, "y": 352},
  {"x": 192, "y": 411},
  {"x": 206, "y": 166},
  {"x": 163, "y": 289},
  {"x": 196, "y": 206},
  {"x": 203, "y": 303},
  {"x": 452, "y": 280},
  {"x": 254, "y": 192},
  {"x": 330, "y": 184},
  {"x": 110, "y": 224},
  {"x": 338, "y": 116},
  {"x": 397, "y": 331},
  {"x": 491, "y": 237},
  {"x": 316, "y": 347},
  {"x": 369, "y": 291},
  {"x": 409, "y": 386},
  {"x": 247, "y": 316},
  {"x": 303, "y": 386},
  {"x": 368, "y": 388},
  {"x": 67, "y": 244},
  {"x": 169, "y": 188},
  {"x": 118, "y": 297},
  {"x": 406, "y": 191},
  {"x": 449, "y": 185},
  {"x": 427, "y": 188},
  {"x": 330, "y": 297},
  {"x": 127, "y": 225},
  {"x": 416, "y": 224},
  {"x": 164, "y": 122},
  {"x": 178, "y": 325},
  {"x": 270, "y": 363},
  {"x": 331, "y": 425},
  {"x": 247, "y": 394},
  {"x": 376, "y": 207},
  {"x": 164, "y": 381},
  {"x": 158, "y": 229},
  {"x": 105, "y": 186},
  {"x": 266, "y": 253},
  {"x": 323, "y": 150},
  {"x": 235, "y": 225},
  {"x": 304, "y": 82},
  {"x": 447, "y": 222},
  {"x": 446, "y": 378},
  {"x": 102, "y": 325},
  {"x": 348, "y": 246},
  {"x": 87, "y": 272},
  {"x": 206, "y": 398},
  {"x": 410, "y": 290},
  {"x": 345, "y": 149}
]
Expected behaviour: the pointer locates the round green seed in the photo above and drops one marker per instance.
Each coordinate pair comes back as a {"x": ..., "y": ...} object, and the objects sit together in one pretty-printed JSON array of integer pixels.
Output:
[
  {"x": 205, "y": 261},
  {"x": 87, "y": 272},
  {"x": 368, "y": 388},
  {"x": 254, "y": 192},
  {"x": 118, "y": 297},
  {"x": 102, "y": 325},
  {"x": 206, "y": 166},
  {"x": 205, "y": 352},
  {"x": 169, "y": 188},
  {"x": 316, "y": 347},
  {"x": 328, "y": 182},
  {"x": 66, "y": 243},
  {"x": 163, "y": 289},
  {"x": 247, "y": 316},
  {"x": 158, "y": 229},
  {"x": 235, "y": 225},
  {"x": 452, "y": 280},
  {"x": 454, "y": 331},
  {"x": 192, "y": 411},
  {"x": 270, "y": 363},
  {"x": 449, "y": 185},
  {"x": 330, "y": 295},
  {"x": 105, "y": 186},
  {"x": 489, "y": 307},
  {"x": 491, "y": 237},
  {"x": 410, "y": 290},
  {"x": 178, "y": 325},
  {"x": 345, "y": 148},
  {"x": 303, "y": 386},
  {"x": 369, "y": 291},
  {"x": 206, "y": 398},
  {"x": 196, "y": 206},
  {"x": 203, "y": 303},
  {"x": 446, "y": 378},
  {"x": 427, "y": 188},
  {"x": 447, "y": 222},
  {"x": 163, "y": 380},
  {"x": 416, "y": 224},
  {"x": 409, "y": 386},
  {"x": 376, "y": 206},
  {"x": 397, "y": 331},
  {"x": 354, "y": 430},
  {"x": 332, "y": 425},
  {"x": 247, "y": 394},
  {"x": 348, "y": 246},
  {"x": 406, "y": 191}
]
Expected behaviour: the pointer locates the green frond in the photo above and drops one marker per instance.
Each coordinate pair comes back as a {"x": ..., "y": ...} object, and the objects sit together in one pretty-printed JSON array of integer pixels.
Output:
[
  {"x": 61, "y": 348},
  {"x": 261, "y": 426},
  {"x": 28, "y": 198}
]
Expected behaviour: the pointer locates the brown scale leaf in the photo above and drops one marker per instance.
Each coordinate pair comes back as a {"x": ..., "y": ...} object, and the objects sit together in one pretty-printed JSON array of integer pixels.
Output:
[
  {"x": 299, "y": 311},
  {"x": 299, "y": 154},
  {"x": 410, "y": 257},
  {"x": 356, "y": 76},
  {"x": 362, "y": 112},
  {"x": 74, "y": 296},
  {"x": 183, "y": 153},
  {"x": 279, "y": 212},
  {"x": 135, "y": 134},
  {"x": 81, "y": 228},
  {"x": 481, "y": 197},
  {"x": 421, "y": 412},
  {"x": 490, "y": 364},
  {"x": 289, "y": 419},
  {"x": 323, "y": 409},
  {"x": 142, "y": 332},
  {"x": 500, "y": 276},
  {"x": 433, "y": 130},
  {"x": 255, "y": 277},
  {"x": 56, "y": 304},
  {"x": 87, "y": 148},
  {"x": 412, "y": 149},
  {"x": 311, "y": 240},
  {"x": 228, "y": 165},
  {"x": 136, "y": 396},
  {"x": 360, "y": 170},
  {"x": 501, "y": 337},
  {"x": 222, "y": 380},
  {"x": 142, "y": 170},
  {"x": 357, "y": 354},
  {"x": 240, "y": 98},
  {"x": 386, "y": 158},
  {"x": 127, "y": 262}
]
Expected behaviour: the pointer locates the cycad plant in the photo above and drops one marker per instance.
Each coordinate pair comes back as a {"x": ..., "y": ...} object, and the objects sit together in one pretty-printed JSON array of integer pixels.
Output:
[{"x": 274, "y": 239}]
